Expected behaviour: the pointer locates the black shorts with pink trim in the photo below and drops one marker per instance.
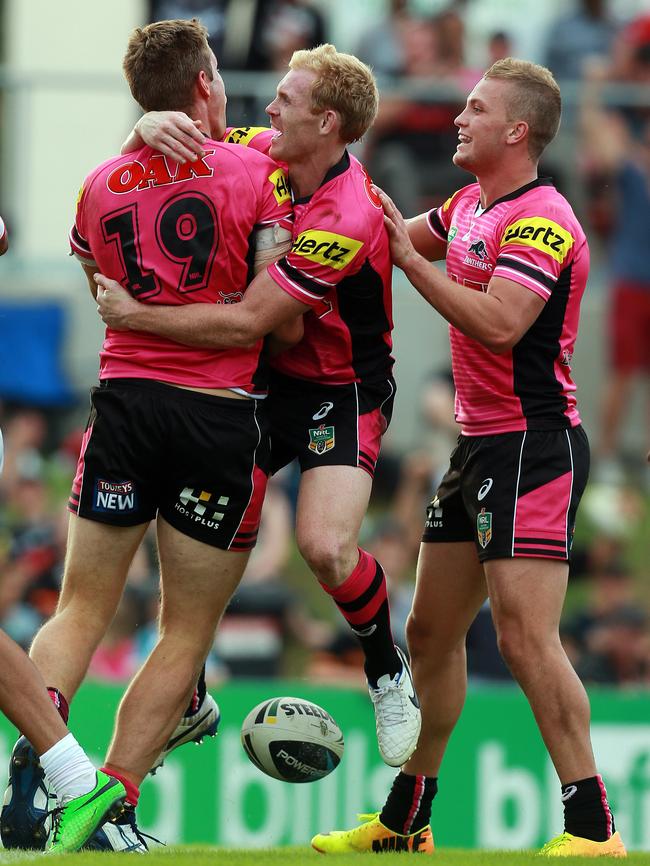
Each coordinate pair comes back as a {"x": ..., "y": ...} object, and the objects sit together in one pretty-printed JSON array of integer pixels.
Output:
[
  {"x": 513, "y": 494},
  {"x": 328, "y": 425},
  {"x": 201, "y": 461}
]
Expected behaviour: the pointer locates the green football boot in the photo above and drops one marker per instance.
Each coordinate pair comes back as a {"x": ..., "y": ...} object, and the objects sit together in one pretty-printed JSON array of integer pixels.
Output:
[{"x": 76, "y": 821}]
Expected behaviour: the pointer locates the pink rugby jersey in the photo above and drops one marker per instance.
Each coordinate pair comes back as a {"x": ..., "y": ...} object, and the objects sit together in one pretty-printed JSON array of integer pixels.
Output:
[
  {"x": 340, "y": 265},
  {"x": 179, "y": 235},
  {"x": 531, "y": 237}
]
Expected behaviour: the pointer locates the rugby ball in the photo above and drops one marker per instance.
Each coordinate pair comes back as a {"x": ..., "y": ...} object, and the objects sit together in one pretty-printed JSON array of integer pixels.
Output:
[{"x": 292, "y": 739}]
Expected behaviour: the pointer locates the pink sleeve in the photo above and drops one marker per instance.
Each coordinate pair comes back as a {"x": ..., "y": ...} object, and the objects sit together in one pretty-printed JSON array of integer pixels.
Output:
[
  {"x": 318, "y": 260},
  {"x": 79, "y": 246}
]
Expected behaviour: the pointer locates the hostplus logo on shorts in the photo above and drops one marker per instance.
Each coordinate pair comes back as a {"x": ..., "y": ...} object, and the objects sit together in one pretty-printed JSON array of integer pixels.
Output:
[
  {"x": 434, "y": 514},
  {"x": 114, "y": 496},
  {"x": 202, "y": 507}
]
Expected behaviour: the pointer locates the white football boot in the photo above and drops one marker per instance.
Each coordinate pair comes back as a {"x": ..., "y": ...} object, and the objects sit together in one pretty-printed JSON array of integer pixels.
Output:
[
  {"x": 203, "y": 723},
  {"x": 397, "y": 715}
]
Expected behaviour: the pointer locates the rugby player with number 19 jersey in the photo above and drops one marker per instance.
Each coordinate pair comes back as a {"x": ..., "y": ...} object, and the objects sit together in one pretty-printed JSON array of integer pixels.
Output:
[
  {"x": 331, "y": 396},
  {"x": 175, "y": 434},
  {"x": 501, "y": 522}
]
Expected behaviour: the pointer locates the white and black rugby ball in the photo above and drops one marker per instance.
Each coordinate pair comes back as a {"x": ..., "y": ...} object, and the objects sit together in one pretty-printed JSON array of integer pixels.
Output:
[{"x": 292, "y": 740}]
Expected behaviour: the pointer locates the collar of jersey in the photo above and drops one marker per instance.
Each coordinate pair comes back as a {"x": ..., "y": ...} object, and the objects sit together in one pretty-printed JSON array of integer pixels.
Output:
[
  {"x": 342, "y": 165},
  {"x": 540, "y": 181}
]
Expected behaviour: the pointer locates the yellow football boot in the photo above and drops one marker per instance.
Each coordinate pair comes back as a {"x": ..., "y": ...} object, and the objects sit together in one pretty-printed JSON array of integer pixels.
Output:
[
  {"x": 374, "y": 837},
  {"x": 567, "y": 845}
]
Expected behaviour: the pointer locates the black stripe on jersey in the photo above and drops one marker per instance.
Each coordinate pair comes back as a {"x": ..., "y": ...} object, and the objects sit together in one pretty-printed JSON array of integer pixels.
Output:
[
  {"x": 362, "y": 309},
  {"x": 79, "y": 240},
  {"x": 561, "y": 544},
  {"x": 436, "y": 223},
  {"x": 533, "y": 363},
  {"x": 366, "y": 457},
  {"x": 305, "y": 282},
  {"x": 365, "y": 597},
  {"x": 540, "y": 181},
  {"x": 528, "y": 270},
  {"x": 369, "y": 467},
  {"x": 540, "y": 551}
]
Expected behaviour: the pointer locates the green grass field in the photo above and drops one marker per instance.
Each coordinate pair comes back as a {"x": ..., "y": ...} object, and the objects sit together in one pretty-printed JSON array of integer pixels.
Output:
[{"x": 200, "y": 856}]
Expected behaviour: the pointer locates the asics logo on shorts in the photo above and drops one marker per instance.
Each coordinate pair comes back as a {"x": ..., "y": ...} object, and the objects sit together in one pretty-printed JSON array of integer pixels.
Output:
[
  {"x": 322, "y": 412},
  {"x": 485, "y": 488},
  {"x": 568, "y": 793}
]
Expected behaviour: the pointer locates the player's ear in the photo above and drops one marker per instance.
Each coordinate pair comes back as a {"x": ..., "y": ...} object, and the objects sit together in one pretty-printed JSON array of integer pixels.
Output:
[
  {"x": 329, "y": 120},
  {"x": 518, "y": 132},
  {"x": 203, "y": 84}
]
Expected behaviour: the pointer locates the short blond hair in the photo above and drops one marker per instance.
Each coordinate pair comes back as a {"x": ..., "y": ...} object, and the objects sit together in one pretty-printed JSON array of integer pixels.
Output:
[
  {"x": 534, "y": 98},
  {"x": 343, "y": 83}
]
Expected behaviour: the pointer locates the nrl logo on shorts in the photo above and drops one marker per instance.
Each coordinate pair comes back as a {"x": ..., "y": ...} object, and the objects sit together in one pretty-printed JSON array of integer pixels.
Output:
[
  {"x": 484, "y": 527},
  {"x": 321, "y": 439}
]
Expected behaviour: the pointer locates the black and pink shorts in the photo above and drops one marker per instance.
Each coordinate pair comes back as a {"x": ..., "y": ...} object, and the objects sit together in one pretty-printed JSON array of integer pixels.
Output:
[
  {"x": 512, "y": 494},
  {"x": 328, "y": 425},
  {"x": 201, "y": 461}
]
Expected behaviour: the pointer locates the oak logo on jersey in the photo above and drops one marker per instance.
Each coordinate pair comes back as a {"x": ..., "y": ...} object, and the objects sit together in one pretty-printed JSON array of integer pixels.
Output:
[
  {"x": 129, "y": 176},
  {"x": 244, "y": 134},
  {"x": 326, "y": 248},
  {"x": 202, "y": 507},
  {"x": 116, "y": 496},
  {"x": 484, "y": 527},
  {"x": 280, "y": 183},
  {"x": 453, "y": 231},
  {"x": 321, "y": 439},
  {"x": 541, "y": 233}
]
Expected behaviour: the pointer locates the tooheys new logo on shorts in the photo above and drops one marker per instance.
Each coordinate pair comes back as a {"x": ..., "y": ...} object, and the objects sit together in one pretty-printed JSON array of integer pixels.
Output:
[
  {"x": 326, "y": 248},
  {"x": 114, "y": 496},
  {"x": 541, "y": 233}
]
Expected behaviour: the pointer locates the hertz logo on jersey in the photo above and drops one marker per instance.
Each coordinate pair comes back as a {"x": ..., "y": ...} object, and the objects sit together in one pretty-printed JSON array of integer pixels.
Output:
[
  {"x": 280, "y": 186},
  {"x": 542, "y": 234},
  {"x": 244, "y": 134},
  {"x": 326, "y": 248}
]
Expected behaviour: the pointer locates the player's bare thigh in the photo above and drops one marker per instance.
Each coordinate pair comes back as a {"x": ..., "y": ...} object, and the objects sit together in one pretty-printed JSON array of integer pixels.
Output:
[
  {"x": 97, "y": 561},
  {"x": 527, "y": 596},
  {"x": 197, "y": 581},
  {"x": 332, "y": 503},
  {"x": 449, "y": 591}
]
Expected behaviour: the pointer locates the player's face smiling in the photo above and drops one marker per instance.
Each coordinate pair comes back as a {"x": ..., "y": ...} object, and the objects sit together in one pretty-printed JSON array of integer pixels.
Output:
[
  {"x": 292, "y": 116},
  {"x": 483, "y": 127}
]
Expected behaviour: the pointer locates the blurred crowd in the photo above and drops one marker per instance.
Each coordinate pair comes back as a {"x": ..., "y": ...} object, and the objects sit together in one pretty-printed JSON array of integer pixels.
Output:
[{"x": 279, "y": 621}]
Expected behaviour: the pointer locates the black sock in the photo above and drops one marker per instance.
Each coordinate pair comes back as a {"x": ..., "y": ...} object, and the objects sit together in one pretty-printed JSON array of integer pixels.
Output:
[
  {"x": 197, "y": 697},
  {"x": 586, "y": 810},
  {"x": 408, "y": 807}
]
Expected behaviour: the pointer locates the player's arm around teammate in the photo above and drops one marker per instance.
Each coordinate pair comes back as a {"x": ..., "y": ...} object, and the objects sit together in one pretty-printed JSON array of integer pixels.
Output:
[
  {"x": 501, "y": 522},
  {"x": 331, "y": 398}
]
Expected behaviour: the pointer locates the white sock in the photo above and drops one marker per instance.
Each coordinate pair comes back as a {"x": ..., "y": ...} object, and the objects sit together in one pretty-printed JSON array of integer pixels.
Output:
[{"x": 68, "y": 769}]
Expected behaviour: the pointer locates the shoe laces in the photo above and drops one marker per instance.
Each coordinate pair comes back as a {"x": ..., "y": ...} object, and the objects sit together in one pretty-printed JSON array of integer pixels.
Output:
[
  {"x": 55, "y": 815},
  {"x": 364, "y": 817},
  {"x": 128, "y": 817},
  {"x": 390, "y": 701},
  {"x": 556, "y": 843}
]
